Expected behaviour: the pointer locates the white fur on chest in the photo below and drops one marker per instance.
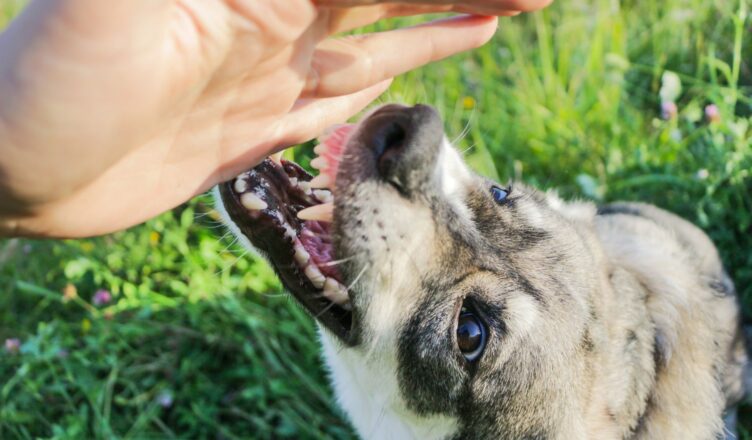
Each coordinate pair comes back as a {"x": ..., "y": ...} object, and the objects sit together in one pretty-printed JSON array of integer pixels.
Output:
[{"x": 368, "y": 393}]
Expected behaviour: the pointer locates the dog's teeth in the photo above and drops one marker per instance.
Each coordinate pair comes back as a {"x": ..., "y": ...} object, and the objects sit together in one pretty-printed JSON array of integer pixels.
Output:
[
  {"x": 305, "y": 186},
  {"x": 252, "y": 202},
  {"x": 335, "y": 292},
  {"x": 323, "y": 195},
  {"x": 301, "y": 255},
  {"x": 320, "y": 149},
  {"x": 316, "y": 277},
  {"x": 319, "y": 163},
  {"x": 240, "y": 185},
  {"x": 277, "y": 157},
  {"x": 293, "y": 181},
  {"x": 289, "y": 232},
  {"x": 321, "y": 181},
  {"x": 323, "y": 212}
]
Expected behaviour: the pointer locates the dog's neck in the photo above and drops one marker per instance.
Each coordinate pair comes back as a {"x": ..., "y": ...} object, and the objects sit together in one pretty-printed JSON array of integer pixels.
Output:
[{"x": 368, "y": 391}]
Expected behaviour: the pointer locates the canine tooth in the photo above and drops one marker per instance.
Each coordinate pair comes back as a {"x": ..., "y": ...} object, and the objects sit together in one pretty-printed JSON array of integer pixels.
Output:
[
  {"x": 294, "y": 181},
  {"x": 322, "y": 212},
  {"x": 319, "y": 163},
  {"x": 323, "y": 195},
  {"x": 252, "y": 201},
  {"x": 305, "y": 186},
  {"x": 277, "y": 157},
  {"x": 240, "y": 185},
  {"x": 321, "y": 181},
  {"x": 335, "y": 291},
  {"x": 301, "y": 255},
  {"x": 316, "y": 277}
]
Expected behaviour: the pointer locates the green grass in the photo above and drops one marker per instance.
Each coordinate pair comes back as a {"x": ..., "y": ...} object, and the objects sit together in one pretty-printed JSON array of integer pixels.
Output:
[{"x": 200, "y": 341}]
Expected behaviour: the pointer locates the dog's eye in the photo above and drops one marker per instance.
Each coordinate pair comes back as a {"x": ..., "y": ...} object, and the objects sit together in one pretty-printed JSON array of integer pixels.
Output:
[
  {"x": 471, "y": 335},
  {"x": 499, "y": 194}
]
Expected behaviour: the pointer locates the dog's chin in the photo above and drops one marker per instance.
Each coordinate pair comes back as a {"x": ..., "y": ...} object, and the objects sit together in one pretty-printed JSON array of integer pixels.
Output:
[{"x": 263, "y": 203}]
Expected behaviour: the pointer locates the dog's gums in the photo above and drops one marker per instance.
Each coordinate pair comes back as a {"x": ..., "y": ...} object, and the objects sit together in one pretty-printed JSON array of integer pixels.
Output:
[{"x": 287, "y": 214}]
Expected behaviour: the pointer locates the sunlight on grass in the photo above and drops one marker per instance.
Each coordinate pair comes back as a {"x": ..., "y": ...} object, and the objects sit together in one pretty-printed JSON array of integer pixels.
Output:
[{"x": 194, "y": 339}]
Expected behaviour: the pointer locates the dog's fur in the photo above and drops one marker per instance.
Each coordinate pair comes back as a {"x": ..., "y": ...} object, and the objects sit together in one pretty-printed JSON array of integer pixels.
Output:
[{"x": 616, "y": 322}]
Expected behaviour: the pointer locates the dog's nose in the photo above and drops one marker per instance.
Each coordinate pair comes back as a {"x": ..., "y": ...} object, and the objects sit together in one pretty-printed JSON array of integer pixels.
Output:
[{"x": 404, "y": 141}]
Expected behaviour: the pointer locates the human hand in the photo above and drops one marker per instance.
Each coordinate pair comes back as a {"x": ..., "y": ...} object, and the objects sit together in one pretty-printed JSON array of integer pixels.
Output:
[
  {"x": 480, "y": 7},
  {"x": 113, "y": 112}
]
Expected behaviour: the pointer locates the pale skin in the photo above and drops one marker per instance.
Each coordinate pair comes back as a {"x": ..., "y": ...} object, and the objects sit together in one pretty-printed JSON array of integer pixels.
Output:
[{"x": 112, "y": 112}]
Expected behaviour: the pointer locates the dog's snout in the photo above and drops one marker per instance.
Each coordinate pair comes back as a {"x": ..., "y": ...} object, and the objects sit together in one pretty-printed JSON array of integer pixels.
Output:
[
  {"x": 387, "y": 139},
  {"x": 404, "y": 142}
]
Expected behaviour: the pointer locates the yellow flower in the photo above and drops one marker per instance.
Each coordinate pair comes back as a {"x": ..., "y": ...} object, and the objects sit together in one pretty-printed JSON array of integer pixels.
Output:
[
  {"x": 468, "y": 103},
  {"x": 85, "y": 325},
  {"x": 154, "y": 237},
  {"x": 69, "y": 292}
]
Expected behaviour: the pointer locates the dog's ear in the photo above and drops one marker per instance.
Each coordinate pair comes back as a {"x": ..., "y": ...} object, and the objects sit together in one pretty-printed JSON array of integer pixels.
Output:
[{"x": 583, "y": 211}]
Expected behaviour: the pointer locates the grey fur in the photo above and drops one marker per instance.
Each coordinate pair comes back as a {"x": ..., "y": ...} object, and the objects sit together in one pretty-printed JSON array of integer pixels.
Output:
[{"x": 616, "y": 322}]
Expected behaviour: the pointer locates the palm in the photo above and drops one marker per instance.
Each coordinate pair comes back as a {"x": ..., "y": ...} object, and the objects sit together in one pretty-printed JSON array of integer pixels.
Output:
[{"x": 183, "y": 95}]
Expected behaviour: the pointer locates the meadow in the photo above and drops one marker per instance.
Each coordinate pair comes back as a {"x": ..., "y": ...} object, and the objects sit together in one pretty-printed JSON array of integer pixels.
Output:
[{"x": 170, "y": 330}]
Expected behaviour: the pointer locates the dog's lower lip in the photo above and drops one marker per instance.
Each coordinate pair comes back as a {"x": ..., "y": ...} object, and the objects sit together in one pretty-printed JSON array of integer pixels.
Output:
[{"x": 264, "y": 203}]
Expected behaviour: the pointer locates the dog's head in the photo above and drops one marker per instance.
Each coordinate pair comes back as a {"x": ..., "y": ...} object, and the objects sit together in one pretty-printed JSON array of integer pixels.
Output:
[{"x": 456, "y": 303}]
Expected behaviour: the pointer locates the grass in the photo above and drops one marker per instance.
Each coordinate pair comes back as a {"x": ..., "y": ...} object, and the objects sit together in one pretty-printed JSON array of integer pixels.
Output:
[{"x": 199, "y": 341}]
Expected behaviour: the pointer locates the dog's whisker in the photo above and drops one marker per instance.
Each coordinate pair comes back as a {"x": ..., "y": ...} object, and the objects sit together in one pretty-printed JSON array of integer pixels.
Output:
[
  {"x": 229, "y": 248},
  {"x": 379, "y": 419},
  {"x": 275, "y": 295},
  {"x": 465, "y": 131},
  {"x": 230, "y": 264},
  {"x": 357, "y": 278},
  {"x": 338, "y": 262},
  {"x": 325, "y": 309},
  {"x": 464, "y": 152}
]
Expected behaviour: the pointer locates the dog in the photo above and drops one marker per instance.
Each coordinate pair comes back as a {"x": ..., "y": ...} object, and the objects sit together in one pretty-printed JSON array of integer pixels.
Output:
[{"x": 453, "y": 307}]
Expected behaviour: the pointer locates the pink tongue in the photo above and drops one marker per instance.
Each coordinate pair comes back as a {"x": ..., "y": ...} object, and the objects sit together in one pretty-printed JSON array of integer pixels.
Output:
[
  {"x": 318, "y": 243},
  {"x": 331, "y": 147}
]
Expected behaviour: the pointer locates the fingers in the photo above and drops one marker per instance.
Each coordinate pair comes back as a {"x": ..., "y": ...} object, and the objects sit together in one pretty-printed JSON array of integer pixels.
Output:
[
  {"x": 486, "y": 11},
  {"x": 346, "y": 19},
  {"x": 307, "y": 120},
  {"x": 494, "y": 7},
  {"x": 310, "y": 117},
  {"x": 343, "y": 66}
]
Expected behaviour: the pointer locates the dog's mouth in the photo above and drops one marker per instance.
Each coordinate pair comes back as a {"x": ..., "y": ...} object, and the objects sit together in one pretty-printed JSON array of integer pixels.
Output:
[{"x": 287, "y": 214}]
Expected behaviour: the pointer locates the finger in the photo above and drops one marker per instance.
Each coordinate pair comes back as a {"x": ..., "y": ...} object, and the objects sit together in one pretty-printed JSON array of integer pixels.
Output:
[
  {"x": 343, "y": 66},
  {"x": 347, "y": 19},
  {"x": 308, "y": 119},
  {"x": 525, "y": 5},
  {"x": 311, "y": 117},
  {"x": 495, "y": 12},
  {"x": 493, "y": 5}
]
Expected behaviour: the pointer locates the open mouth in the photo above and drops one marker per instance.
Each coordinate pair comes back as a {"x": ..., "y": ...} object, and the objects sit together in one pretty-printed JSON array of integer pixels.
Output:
[{"x": 287, "y": 215}]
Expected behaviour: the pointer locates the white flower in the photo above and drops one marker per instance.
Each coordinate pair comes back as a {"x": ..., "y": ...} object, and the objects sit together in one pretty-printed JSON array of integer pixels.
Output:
[{"x": 671, "y": 87}]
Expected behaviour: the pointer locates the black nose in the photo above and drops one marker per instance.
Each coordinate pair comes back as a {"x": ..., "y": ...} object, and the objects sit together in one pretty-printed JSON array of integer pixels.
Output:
[{"x": 404, "y": 141}]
